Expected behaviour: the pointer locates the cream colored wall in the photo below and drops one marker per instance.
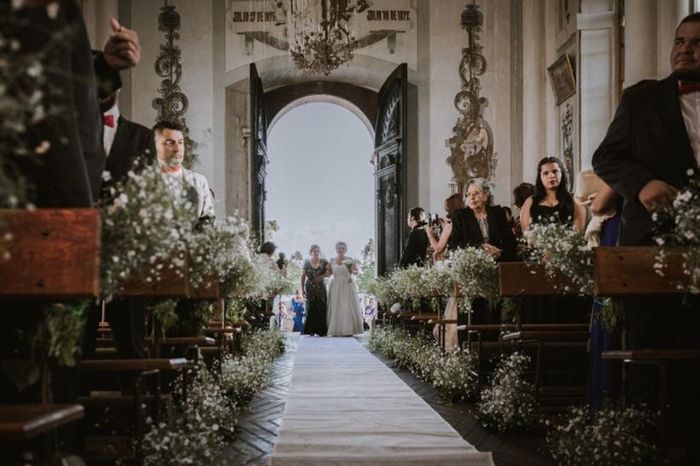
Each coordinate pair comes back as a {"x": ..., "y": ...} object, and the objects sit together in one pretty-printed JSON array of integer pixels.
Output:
[
  {"x": 196, "y": 43},
  {"x": 446, "y": 40}
]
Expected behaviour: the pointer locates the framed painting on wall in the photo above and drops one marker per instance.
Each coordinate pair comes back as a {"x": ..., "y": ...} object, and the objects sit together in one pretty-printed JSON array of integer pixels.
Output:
[{"x": 561, "y": 75}]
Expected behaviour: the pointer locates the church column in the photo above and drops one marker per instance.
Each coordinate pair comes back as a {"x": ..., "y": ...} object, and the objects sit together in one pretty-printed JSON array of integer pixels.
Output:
[
  {"x": 640, "y": 41},
  {"x": 598, "y": 74},
  {"x": 669, "y": 14},
  {"x": 534, "y": 87}
]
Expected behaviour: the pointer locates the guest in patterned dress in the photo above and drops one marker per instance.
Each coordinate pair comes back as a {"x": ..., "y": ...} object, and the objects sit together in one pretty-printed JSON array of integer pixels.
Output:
[{"x": 314, "y": 271}]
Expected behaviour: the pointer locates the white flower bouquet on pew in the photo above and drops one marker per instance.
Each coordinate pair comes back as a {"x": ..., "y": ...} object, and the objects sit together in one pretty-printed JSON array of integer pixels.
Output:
[
  {"x": 565, "y": 253},
  {"x": 215, "y": 250},
  {"x": 475, "y": 273},
  {"x": 684, "y": 215},
  {"x": 144, "y": 230}
]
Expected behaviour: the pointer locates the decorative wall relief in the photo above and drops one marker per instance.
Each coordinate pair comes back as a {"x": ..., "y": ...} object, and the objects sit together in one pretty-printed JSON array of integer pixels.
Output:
[
  {"x": 567, "y": 133},
  {"x": 173, "y": 103},
  {"x": 471, "y": 145}
]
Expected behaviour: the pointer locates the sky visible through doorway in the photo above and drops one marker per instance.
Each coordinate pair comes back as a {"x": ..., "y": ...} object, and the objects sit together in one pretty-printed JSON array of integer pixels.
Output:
[{"x": 320, "y": 184}]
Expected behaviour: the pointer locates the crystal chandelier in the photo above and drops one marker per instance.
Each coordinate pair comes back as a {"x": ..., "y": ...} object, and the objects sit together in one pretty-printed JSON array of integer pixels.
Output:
[{"x": 320, "y": 47}]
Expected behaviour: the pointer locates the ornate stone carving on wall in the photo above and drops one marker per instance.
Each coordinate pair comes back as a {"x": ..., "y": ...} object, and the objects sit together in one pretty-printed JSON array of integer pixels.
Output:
[
  {"x": 173, "y": 103},
  {"x": 471, "y": 145},
  {"x": 567, "y": 132}
]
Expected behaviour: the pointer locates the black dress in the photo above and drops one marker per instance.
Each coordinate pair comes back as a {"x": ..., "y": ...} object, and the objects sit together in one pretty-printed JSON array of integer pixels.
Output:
[
  {"x": 316, "y": 299},
  {"x": 564, "y": 309},
  {"x": 416, "y": 246}
]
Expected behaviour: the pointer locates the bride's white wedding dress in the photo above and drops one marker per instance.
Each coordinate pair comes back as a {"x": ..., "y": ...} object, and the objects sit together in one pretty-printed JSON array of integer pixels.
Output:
[{"x": 344, "y": 312}]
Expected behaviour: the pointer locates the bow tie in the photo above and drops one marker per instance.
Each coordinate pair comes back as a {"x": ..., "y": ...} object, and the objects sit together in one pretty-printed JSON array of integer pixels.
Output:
[
  {"x": 108, "y": 120},
  {"x": 686, "y": 87}
]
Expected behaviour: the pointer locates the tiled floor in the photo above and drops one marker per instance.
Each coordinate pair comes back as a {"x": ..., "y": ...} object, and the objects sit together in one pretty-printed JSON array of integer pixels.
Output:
[{"x": 259, "y": 425}]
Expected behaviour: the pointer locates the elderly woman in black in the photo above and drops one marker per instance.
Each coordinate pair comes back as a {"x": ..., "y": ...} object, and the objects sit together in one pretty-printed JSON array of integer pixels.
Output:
[
  {"x": 483, "y": 225},
  {"x": 417, "y": 243}
]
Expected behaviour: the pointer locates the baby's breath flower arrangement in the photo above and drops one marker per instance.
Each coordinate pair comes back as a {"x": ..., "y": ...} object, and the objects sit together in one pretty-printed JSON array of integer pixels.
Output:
[
  {"x": 214, "y": 250},
  {"x": 452, "y": 374},
  {"x": 143, "y": 230},
  {"x": 243, "y": 376},
  {"x": 382, "y": 289},
  {"x": 684, "y": 214},
  {"x": 475, "y": 273},
  {"x": 408, "y": 282},
  {"x": 510, "y": 400},
  {"x": 437, "y": 281},
  {"x": 197, "y": 429},
  {"x": 611, "y": 436},
  {"x": 564, "y": 252}
]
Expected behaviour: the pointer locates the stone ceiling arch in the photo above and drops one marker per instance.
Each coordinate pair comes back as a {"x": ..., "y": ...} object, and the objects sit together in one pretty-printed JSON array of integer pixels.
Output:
[{"x": 360, "y": 101}]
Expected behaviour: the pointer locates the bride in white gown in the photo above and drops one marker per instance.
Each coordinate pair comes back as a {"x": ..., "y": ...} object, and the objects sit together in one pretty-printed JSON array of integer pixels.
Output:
[{"x": 344, "y": 313}]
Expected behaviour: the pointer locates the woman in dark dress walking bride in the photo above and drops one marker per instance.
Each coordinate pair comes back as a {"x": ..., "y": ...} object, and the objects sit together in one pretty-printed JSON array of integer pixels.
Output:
[{"x": 314, "y": 271}]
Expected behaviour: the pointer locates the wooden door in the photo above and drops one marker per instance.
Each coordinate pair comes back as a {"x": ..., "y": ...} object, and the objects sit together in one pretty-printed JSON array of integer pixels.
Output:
[
  {"x": 390, "y": 164},
  {"x": 258, "y": 155}
]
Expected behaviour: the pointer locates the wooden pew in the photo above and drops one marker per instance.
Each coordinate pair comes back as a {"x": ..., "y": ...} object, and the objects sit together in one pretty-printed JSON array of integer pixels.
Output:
[
  {"x": 138, "y": 370},
  {"x": 522, "y": 279},
  {"x": 629, "y": 271},
  {"x": 20, "y": 423},
  {"x": 54, "y": 253}
]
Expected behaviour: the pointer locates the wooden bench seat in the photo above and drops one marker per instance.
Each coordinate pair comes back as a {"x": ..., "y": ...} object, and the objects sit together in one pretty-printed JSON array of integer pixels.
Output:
[
  {"x": 26, "y": 421},
  {"x": 132, "y": 365},
  {"x": 652, "y": 355},
  {"x": 542, "y": 335},
  {"x": 186, "y": 341}
]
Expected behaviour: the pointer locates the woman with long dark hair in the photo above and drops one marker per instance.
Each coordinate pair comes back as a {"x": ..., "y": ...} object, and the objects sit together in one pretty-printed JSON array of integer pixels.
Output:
[
  {"x": 552, "y": 202},
  {"x": 417, "y": 243}
]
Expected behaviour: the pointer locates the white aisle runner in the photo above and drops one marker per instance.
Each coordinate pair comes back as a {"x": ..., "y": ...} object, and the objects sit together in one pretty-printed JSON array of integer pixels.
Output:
[{"x": 346, "y": 407}]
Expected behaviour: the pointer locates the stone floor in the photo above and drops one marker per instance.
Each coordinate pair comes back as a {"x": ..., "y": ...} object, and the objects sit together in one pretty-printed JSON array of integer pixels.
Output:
[{"x": 259, "y": 425}]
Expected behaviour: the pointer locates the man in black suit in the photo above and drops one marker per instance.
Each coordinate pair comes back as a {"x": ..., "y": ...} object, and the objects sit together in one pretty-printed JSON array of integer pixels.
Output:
[
  {"x": 128, "y": 145},
  {"x": 653, "y": 140},
  {"x": 651, "y": 144}
]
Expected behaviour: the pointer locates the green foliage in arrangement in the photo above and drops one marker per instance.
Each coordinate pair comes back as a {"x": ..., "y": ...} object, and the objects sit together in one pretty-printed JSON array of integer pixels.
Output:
[
  {"x": 509, "y": 402},
  {"x": 611, "y": 436},
  {"x": 59, "y": 335}
]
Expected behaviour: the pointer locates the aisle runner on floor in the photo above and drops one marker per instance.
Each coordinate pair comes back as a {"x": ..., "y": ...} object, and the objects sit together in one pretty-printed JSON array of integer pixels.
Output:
[{"x": 346, "y": 407}]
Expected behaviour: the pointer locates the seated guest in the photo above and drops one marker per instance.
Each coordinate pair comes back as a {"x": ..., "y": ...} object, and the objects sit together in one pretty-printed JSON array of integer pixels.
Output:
[
  {"x": 551, "y": 201},
  {"x": 417, "y": 243}
]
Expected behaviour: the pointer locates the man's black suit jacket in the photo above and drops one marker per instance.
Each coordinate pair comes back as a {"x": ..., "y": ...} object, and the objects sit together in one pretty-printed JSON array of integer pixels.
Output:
[
  {"x": 466, "y": 231},
  {"x": 132, "y": 142},
  {"x": 68, "y": 174},
  {"x": 646, "y": 140}
]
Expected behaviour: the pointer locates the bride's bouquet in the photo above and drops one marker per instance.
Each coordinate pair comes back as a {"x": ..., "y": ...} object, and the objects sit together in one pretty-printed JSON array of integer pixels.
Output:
[{"x": 349, "y": 263}]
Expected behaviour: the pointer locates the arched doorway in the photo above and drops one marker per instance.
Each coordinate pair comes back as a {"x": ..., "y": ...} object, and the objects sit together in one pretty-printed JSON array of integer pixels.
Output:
[
  {"x": 250, "y": 108},
  {"x": 319, "y": 181}
]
